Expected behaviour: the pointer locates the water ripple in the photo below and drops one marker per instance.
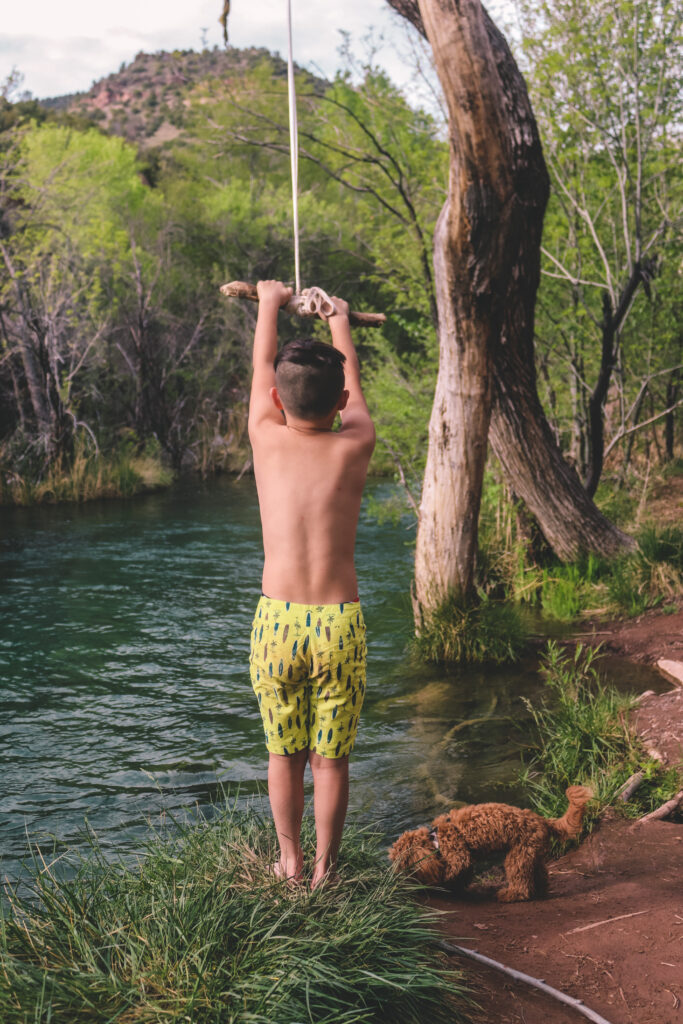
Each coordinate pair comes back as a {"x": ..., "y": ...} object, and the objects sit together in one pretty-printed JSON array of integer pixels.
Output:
[{"x": 124, "y": 685}]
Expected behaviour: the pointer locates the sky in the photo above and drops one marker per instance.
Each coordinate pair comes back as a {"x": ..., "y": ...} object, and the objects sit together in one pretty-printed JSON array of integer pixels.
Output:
[{"x": 63, "y": 47}]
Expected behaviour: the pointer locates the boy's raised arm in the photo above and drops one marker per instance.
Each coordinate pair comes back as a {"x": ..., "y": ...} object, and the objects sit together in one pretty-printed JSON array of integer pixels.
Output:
[
  {"x": 272, "y": 295},
  {"x": 355, "y": 416}
]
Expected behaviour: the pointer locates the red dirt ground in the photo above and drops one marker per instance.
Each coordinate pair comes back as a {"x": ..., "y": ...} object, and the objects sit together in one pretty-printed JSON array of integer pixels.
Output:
[
  {"x": 578, "y": 939},
  {"x": 646, "y": 639},
  {"x": 610, "y": 931}
]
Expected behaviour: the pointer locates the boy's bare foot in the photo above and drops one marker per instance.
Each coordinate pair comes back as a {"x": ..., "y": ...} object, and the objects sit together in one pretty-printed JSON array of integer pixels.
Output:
[
  {"x": 324, "y": 879},
  {"x": 286, "y": 872}
]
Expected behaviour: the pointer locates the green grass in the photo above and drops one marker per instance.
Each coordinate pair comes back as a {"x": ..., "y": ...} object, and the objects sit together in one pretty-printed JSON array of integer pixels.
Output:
[
  {"x": 649, "y": 578},
  {"x": 470, "y": 634},
  {"x": 653, "y": 575},
  {"x": 201, "y": 932},
  {"x": 515, "y": 565},
  {"x": 86, "y": 477},
  {"x": 583, "y": 736}
]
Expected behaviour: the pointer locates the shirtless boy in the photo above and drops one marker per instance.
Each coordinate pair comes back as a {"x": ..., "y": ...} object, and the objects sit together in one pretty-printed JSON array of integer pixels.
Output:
[{"x": 308, "y": 638}]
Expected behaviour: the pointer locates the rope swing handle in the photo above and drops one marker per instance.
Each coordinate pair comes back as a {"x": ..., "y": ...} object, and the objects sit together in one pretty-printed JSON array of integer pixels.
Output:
[
  {"x": 242, "y": 290},
  {"x": 308, "y": 301}
]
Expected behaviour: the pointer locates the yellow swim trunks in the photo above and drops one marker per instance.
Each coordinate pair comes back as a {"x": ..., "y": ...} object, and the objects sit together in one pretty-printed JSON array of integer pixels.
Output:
[{"x": 307, "y": 668}]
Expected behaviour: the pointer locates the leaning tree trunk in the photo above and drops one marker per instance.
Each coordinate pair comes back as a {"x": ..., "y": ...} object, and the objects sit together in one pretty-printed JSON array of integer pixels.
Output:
[
  {"x": 491, "y": 231},
  {"x": 475, "y": 261},
  {"x": 520, "y": 434}
]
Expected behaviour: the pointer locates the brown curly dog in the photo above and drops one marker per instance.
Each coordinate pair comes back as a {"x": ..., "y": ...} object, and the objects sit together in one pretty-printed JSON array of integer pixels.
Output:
[{"x": 445, "y": 853}]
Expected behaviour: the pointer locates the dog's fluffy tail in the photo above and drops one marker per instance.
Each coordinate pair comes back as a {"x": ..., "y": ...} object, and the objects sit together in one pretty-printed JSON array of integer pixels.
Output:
[{"x": 569, "y": 825}]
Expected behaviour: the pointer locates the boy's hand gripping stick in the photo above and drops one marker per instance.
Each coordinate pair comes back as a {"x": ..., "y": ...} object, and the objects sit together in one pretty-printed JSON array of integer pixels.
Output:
[{"x": 311, "y": 302}]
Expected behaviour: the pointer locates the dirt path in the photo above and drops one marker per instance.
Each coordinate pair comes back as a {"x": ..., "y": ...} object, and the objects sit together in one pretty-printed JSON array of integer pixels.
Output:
[
  {"x": 580, "y": 939},
  {"x": 645, "y": 639},
  {"x": 611, "y": 930},
  {"x": 648, "y": 639}
]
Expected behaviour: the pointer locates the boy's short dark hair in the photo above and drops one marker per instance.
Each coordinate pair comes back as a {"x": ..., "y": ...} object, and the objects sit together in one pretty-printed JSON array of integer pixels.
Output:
[{"x": 310, "y": 378}]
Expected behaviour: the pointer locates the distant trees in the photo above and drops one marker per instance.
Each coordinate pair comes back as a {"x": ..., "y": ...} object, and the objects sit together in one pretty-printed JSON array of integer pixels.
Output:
[
  {"x": 111, "y": 324},
  {"x": 106, "y": 321},
  {"x": 51, "y": 317},
  {"x": 371, "y": 170},
  {"x": 605, "y": 81}
]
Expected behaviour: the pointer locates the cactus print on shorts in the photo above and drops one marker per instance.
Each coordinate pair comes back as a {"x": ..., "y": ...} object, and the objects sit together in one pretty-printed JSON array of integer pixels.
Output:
[{"x": 307, "y": 668}]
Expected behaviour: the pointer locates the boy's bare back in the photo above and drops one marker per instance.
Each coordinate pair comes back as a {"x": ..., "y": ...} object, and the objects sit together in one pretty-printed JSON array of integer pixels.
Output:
[
  {"x": 309, "y": 479},
  {"x": 309, "y": 675}
]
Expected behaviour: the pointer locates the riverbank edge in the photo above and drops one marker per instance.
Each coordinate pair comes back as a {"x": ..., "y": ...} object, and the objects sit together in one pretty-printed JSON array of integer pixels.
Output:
[
  {"x": 616, "y": 969},
  {"x": 92, "y": 477}
]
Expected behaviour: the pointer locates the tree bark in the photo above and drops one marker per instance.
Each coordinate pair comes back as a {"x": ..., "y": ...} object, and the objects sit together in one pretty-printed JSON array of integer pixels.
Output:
[
  {"x": 631, "y": 438},
  {"x": 520, "y": 434},
  {"x": 451, "y": 493},
  {"x": 612, "y": 320},
  {"x": 499, "y": 189},
  {"x": 27, "y": 330},
  {"x": 474, "y": 245},
  {"x": 672, "y": 388},
  {"x": 532, "y": 462}
]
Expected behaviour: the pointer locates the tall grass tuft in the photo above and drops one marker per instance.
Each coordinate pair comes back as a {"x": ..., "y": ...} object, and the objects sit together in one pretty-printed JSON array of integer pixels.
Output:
[
  {"x": 86, "y": 476},
  {"x": 516, "y": 565},
  {"x": 650, "y": 577},
  {"x": 581, "y": 727},
  {"x": 201, "y": 931},
  {"x": 584, "y": 736},
  {"x": 468, "y": 634},
  {"x": 653, "y": 575}
]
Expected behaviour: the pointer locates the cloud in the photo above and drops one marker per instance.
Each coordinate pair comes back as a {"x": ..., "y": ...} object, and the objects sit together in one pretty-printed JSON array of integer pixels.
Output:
[
  {"x": 64, "y": 48},
  {"x": 56, "y": 66},
  {"x": 53, "y": 67}
]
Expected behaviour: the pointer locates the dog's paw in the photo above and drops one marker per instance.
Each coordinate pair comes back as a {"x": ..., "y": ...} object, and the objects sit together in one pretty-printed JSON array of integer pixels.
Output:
[{"x": 508, "y": 895}]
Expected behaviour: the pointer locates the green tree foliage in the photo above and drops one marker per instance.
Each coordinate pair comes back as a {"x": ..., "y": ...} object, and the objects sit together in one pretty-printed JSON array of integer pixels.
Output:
[
  {"x": 112, "y": 330},
  {"x": 373, "y": 174},
  {"x": 605, "y": 83},
  {"x": 63, "y": 193},
  {"x": 113, "y": 326},
  {"x": 104, "y": 307}
]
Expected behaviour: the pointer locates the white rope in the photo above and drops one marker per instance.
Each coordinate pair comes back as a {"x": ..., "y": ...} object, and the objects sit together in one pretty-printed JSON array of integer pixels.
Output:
[
  {"x": 293, "y": 148},
  {"x": 311, "y": 302}
]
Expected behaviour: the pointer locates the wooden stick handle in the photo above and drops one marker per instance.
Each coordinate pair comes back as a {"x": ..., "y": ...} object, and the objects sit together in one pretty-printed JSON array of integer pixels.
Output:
[{"x": 242, "y": 290}]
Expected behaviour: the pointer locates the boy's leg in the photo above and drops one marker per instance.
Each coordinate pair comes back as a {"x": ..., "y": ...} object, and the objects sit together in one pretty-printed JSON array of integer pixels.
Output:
[
  {"x": 330, "y": 800},
  {"x": 286, "y": 792}
]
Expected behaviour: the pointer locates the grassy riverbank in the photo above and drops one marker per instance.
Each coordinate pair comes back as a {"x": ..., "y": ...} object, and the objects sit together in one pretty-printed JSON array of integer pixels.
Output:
[
  {"x": 517, "y": 572},
  {"x": 200, "y": 931},
  {"x": 516, "y": 566},
  {"x": 87, "y": 476},
  {"x": 584, "y": 735}
]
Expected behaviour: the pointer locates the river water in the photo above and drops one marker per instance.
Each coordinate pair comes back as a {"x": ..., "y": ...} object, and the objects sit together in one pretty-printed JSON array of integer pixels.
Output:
[{"x": 124, "y": 685}]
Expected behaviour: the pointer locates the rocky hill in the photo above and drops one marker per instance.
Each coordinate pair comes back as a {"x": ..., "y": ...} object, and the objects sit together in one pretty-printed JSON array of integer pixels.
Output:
[{"x": 144, "y": 100}]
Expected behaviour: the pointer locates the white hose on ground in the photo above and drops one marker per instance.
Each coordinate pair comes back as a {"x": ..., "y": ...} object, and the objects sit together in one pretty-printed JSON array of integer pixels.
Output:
[{"x": 562, "y": 997}]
